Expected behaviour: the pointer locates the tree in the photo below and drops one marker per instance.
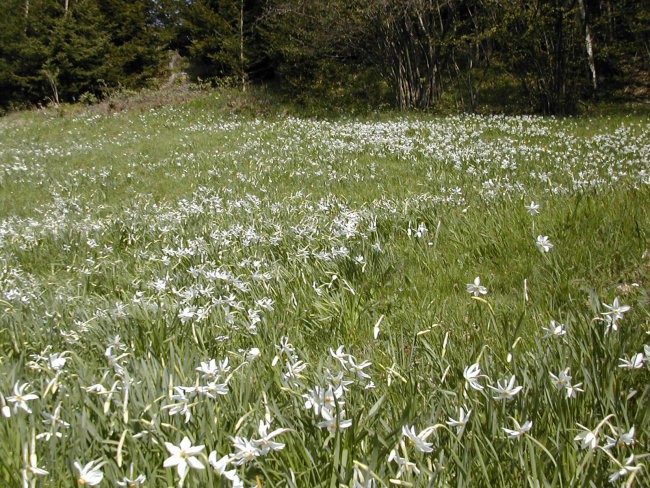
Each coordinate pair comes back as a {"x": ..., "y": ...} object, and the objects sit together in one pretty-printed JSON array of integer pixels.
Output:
[
  {"x": 22, "y": 52},
  {"x": 221, "y": 37},
  {"x": 314, "y": 46},
  {"x": 136, "y": 51},
  {"x": 621, "y": 38},
  {"x": 77, "y": 48},
  {"x": 539, "y": 43},
  {"x": 412, "y": 37}
]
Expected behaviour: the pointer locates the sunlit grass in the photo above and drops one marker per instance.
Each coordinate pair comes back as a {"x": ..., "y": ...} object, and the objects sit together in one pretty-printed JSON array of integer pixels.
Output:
[{"x": 194, "y": 234}]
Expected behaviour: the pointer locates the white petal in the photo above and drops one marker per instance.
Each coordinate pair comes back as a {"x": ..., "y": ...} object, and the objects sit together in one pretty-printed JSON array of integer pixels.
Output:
[{"x": 195, "y": 463}]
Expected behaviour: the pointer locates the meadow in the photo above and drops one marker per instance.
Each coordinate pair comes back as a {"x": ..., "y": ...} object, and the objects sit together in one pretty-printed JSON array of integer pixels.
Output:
[{"x": 195, "y": 297}]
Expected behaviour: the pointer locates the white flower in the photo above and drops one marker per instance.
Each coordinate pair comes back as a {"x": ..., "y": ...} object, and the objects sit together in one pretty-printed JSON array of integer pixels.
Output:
[
  {"x": 359, "y": 479},
  {"x": 543, "y": 244},
  {"x": 183, "y": 456},
  {"x": 357, "y": 368},
  {"x": 245, "y": 451},
  {"x": 611, "y": 322},
  {"x": 339, "y": 355},
  {"x": 472, "y": 374},
  {"x": 571, "y": 390},
  {"x": 625, "y": 470},
  {"x": 219, "y": 468},
  {"x": 403, "y": 463},
  {"x": 319, "y": 398},
  {"x": 554, "y": 331},
  {"x": 334, "y": 422},
  {"x": 97, "y": 388},
  {"x": 563, "y": 381},
  {"x": 506, "y": 390},
  {"x": 253, "y": 354},
  {"x": 616, "y": 311},
  {"x": 211, "y": 390},
  {"x": 56, "y": 361},
  {"x": 635, "y": 363},
  {"x": 90, "y": 474},
  {"x": 533, "y": 208},
  {"x": 375, "y": 329},
  {"x": 587, "y": 438},
  {"x": 182, "y": 405},
  {"x": 337, "y": 379},
  {"x": 294, "y": 370},
  {"x": 265, "y": 442},
  {"x": 463, "y": 418},
  {"x": 313, "y": 399},
  {"x": 422, "y": 230},
  {"x": 285, "y": 349},
  {"x": 55, "y": 422},
  {"x": 418, "y": 441},
  {"x": 132, "y": 482},
  {"x": 627, "y": 438},
  {"x": 116, "y": 343},
  {"x": 519, "y": 431},
  {"x": 186, "y": 315},
  {"x": 211, "y": 370},
  {"x": 4, "y": 408},
  {"x": 20, "y": 398},
  {"x": 476, "y": 288},
  {"x": 32, "y": 466}
]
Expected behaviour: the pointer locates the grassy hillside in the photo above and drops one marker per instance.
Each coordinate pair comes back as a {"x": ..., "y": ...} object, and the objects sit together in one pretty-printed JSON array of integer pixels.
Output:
[{"x": 329, "y": 268}]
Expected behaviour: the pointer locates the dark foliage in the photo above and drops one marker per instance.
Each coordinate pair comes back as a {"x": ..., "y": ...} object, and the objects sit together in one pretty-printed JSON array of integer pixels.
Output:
[{"x": 543, "y": 56}]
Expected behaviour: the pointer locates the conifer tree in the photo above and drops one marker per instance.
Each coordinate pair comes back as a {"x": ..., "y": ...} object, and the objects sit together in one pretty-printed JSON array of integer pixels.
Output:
[
  {"x": 23, "y": 31},
  {"x": 221, "y": 37},
  {"x": 135, "y": 49},
  {"x": 77, "y": 48}
]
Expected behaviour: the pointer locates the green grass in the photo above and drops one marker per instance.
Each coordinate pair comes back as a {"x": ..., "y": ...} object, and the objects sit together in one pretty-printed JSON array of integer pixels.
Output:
[{"x": 123, "y": 224}]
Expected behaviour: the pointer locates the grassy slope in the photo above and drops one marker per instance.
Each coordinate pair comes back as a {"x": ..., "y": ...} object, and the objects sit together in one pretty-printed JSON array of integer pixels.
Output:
[{"x": 111, "y": 178}]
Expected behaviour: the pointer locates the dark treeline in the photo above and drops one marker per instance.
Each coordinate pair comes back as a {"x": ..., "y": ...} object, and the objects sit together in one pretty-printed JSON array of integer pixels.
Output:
[{"x": 545, "y": 56}]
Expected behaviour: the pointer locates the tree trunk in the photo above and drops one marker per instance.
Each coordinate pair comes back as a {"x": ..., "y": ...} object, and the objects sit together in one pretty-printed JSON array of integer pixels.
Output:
[
  {"x": 558, "y": 84},
  {"x": 410, "y": 35},
  {"x": 26, "y": 16},
  {"x": 241, "y": 45},
  {"x": 589, "y": 45}
]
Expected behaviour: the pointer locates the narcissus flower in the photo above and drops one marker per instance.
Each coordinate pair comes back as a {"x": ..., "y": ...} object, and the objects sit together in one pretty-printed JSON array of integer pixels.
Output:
[
  {"x": 20, "y": 398},
  {"x": 519, "y": 431},
  {"x": 635, "y": 363},
  {"x": 132, "y": 482},
  {"x": 505, "y": 391},
  {"x": 625, "y": 470},
  {"x": 418, "y": 441},
  {"x": 476, "y": 288},
  {"x": 463, "y": 418},
  {"x": 89, "y": 475},
  {"x": 616, "y": 310},
  {"x": 554, "y": 331},
  {"x": 543, "y": 244},
  {"x": 219, "y": 468},
  {"x": 588, "y": 439},
  {"x": 533, "y": 208},
  {"x": 183, "y": 456},
  {"x": 266, "y": 442},
  {"x": 472, "y": 374},
  {"x": 333, "y": 421}
]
